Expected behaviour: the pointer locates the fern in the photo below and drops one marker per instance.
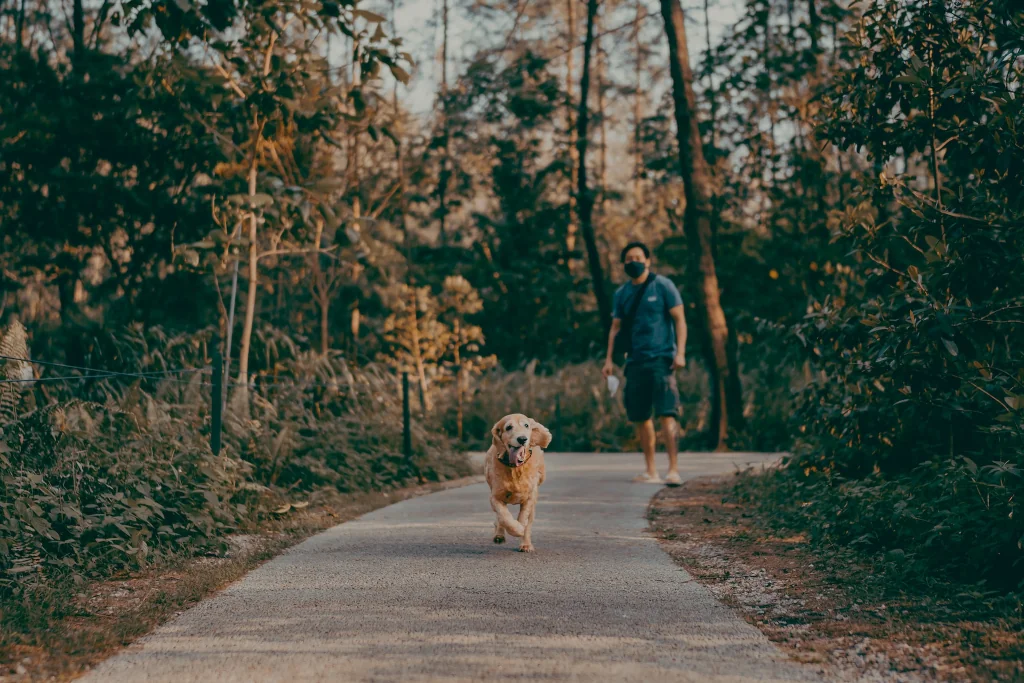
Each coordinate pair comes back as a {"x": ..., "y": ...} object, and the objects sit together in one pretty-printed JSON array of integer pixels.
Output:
[{"x": 14, "y": 344}]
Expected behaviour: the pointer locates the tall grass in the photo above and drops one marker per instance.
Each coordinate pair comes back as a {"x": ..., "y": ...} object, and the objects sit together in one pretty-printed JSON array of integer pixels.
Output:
[
  {"x": 574, "y": 403},
  {"x": 113, "y": 475}
]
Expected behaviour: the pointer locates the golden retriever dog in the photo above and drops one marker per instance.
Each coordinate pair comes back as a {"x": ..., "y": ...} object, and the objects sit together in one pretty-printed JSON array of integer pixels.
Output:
[{"x": 515, "y": 470}]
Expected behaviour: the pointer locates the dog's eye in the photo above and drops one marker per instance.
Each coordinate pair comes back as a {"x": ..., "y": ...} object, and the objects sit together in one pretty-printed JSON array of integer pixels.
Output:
[
  {"x": 509, "y": 428},
  {"x": 527, "y": 426}
]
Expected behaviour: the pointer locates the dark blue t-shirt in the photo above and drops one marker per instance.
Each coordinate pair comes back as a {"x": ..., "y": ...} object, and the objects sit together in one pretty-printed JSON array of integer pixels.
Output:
[{"x": 654, "y": 331}]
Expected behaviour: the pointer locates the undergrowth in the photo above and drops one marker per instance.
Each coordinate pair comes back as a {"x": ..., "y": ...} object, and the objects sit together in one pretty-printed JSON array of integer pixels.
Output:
[
  {"x": 931, "y": 532},
  {"x": 120, "y": 475},
  {"x": 574, "y": 403}
]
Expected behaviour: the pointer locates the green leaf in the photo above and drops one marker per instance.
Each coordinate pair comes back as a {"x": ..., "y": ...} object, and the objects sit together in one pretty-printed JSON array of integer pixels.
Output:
[{"x": 951, "y": 347}]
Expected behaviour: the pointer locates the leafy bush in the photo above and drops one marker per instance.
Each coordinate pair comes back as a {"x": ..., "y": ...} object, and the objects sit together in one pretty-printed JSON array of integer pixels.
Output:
[
  {"x": 86, "y": 490},
  {"x": 90, "y": 488},
  {"x": 912, "y": 432},
  {"x": 348, "y": 438}
]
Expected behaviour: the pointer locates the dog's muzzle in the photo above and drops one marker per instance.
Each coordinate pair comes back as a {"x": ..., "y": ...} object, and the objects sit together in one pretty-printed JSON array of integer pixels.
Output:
[{"x": 516, "y": 456}]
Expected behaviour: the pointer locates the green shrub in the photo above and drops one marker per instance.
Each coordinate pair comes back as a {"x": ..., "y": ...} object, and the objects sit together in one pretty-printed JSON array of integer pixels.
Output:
[
  {"x": 911, "y": 434},
  {"x": 87, "y": 490},
  {"x": 91, "y": 488}
]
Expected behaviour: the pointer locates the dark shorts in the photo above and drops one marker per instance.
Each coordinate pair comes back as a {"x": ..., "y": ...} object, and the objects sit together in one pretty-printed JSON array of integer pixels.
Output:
[{"x": 650, "y": 387}]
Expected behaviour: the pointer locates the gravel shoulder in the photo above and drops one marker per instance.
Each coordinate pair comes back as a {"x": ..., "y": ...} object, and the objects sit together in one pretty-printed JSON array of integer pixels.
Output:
[{"x": 821, "y": 608}]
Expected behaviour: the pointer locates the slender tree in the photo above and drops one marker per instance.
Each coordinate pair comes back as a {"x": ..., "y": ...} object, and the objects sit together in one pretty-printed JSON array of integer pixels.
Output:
[
  {"x": 697, "y": 221},
  {"x": 586, "y": 198},
  {"x": 570, "y": 124},
  {"x": 444, "y": 176}
]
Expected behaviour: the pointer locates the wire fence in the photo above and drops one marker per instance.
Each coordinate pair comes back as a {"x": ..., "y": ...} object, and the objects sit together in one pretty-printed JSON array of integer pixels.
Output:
[
  {"x": 162, "y": 375},
  {"x": 216, "y": 383}
]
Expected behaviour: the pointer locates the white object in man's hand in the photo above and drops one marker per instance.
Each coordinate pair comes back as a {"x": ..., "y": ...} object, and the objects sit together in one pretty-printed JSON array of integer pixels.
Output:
[{"x": 613, "y": 384}]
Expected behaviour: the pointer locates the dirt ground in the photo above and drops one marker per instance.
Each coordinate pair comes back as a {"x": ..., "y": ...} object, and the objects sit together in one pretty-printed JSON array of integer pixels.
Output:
[{"x": 818, "y": 608}]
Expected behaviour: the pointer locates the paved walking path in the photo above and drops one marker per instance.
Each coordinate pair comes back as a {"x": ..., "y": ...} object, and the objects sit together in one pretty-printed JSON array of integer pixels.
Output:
[{"x": 418, "y": 592}]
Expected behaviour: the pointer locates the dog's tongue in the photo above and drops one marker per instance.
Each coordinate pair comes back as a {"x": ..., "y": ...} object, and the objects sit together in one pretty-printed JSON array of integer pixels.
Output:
[{"x": 513, "y": 455}]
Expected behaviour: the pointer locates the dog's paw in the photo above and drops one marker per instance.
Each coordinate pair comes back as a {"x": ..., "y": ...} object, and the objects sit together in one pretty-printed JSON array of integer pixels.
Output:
[
  {"x": 515, "y": 528},
  {"x": 499, "y": 539},
  {"x": 526, "y": 548}
]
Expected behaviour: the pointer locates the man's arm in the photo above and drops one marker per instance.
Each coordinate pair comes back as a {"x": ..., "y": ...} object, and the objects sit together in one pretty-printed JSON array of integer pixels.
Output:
[
  {"x": 679, "y": 317},
  {"x": 609, "y": 367}
]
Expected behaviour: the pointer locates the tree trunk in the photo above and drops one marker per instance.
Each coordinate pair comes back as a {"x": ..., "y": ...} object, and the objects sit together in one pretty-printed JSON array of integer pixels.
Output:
[
  {"x": 602, "y": 156},
  {"x": 459, "y": 397},
  {"x": 20, "y": 26},
  {"x": 322, "y": 291},
  {"x": 638, "y": 110},
  {"x": 354, "y": 321},
  {"x": 813, "y": 26},
  {"x": 711, "y": 81},
  {"x": 586, "y": 199},
  {"x": 697, "y": 222},
  {"x": 570, "y": 123},
  {"x": 443, "y": 177},
  {"x": 355, "y": 160},
  {"x": 78, "y": 29},
  {"x": 417, "y": 355},
  {"x": 250, "y": 299}
]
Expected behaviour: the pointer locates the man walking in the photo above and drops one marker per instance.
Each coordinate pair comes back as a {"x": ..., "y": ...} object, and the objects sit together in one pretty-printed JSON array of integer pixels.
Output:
[{"x": 652, "y": 310}]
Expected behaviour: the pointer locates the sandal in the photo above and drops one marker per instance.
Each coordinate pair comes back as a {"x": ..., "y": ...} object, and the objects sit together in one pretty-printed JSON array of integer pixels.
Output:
[
  {"x": 647, "y": 479},
  {"x": 673, "y": 479}
]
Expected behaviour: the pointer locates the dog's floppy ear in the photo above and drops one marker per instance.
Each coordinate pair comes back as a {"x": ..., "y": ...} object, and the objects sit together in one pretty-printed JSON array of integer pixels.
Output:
[
  {"x": 496, "y": 434},
  {"x": 539, "y": 435}
]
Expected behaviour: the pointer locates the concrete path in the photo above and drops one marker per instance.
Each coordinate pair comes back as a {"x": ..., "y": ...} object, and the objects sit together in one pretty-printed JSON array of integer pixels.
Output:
[{"x": 418, "y": 592}]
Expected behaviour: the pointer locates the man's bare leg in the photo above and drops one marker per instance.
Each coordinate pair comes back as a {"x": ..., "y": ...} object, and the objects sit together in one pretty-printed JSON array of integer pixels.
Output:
[
  {"x": 670, "y": 435},
  {"x": 645, "y": 433}
]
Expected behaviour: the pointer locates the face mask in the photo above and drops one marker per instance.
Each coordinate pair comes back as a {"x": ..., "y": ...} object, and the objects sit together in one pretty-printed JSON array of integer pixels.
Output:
[{"x": 635, "y": 269}]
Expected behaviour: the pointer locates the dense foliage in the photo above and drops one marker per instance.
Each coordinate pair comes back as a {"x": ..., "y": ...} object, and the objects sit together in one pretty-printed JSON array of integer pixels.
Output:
[
  {"x": 910, "y": 434},
  {"x": 255, "y": 171},
  {"x": 89, "y": 488}
]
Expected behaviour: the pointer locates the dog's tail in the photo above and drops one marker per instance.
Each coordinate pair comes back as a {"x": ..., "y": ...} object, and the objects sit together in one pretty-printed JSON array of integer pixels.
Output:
[{"x": 510, "y": 523}]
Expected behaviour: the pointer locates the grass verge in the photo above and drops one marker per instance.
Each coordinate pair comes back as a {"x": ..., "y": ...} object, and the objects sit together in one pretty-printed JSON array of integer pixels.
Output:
[
  {"x": 827, "y": 605},
  {"x": 64, "y": 632}
]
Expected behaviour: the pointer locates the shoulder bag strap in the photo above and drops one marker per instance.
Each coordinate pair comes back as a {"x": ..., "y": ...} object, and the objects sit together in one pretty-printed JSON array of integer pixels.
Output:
[{"x": 637, "y": 299}]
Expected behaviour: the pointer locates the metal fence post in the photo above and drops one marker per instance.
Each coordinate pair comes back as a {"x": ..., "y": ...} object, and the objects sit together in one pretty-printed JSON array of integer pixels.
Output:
[
  {"x": 216, "y": 397},
  {"x": 406, "y": 418}
]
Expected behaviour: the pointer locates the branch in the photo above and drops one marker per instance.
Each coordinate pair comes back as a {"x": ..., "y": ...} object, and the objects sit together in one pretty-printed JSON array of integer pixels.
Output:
[
  {"x": 1001, "y": 404},
  {"x": 384, "y": 202},
  {"x": 270, "y": 51},
  {"x": 231, "y": 81},
  {"x": 101, "y": 17},
  {"x": 296, "y": 252},
  {"x": 931, "y": 204}
]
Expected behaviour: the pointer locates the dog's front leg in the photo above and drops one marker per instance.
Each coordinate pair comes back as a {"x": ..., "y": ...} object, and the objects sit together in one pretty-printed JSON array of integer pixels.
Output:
[
  {"x": 526, "y": 519},
  {"x": 505, "y": 519}
]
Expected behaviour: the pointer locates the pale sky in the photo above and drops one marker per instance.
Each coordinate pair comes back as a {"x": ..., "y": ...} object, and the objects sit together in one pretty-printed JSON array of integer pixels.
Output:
[{"x": 417, "y": 26}]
